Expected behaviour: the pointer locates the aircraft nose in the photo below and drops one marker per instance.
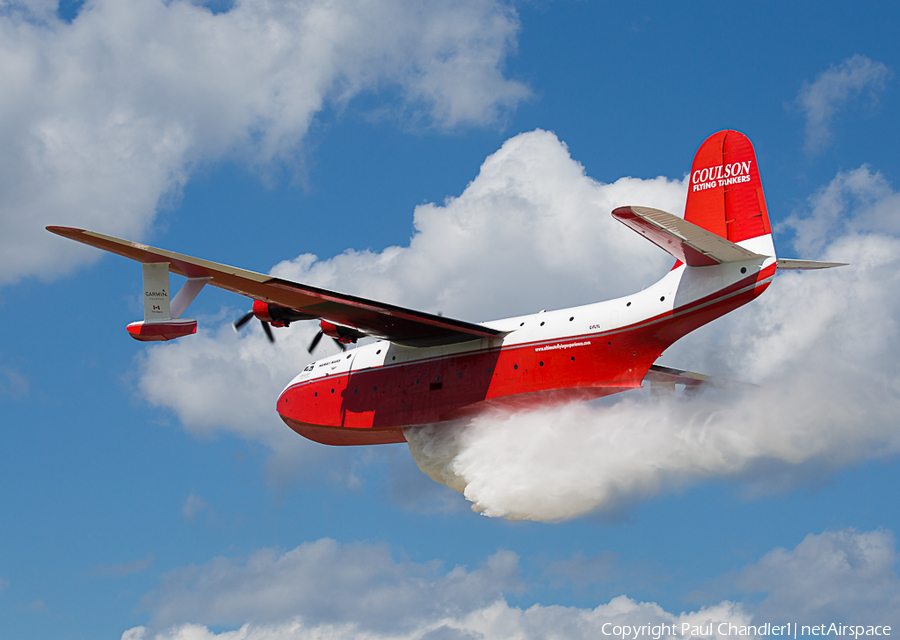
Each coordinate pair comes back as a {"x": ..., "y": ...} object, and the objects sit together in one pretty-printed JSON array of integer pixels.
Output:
[{"x": 287, "y": 403}]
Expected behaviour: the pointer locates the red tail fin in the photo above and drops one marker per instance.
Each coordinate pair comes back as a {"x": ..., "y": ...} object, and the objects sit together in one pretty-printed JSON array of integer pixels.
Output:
[{"x": 725, "y": 194}]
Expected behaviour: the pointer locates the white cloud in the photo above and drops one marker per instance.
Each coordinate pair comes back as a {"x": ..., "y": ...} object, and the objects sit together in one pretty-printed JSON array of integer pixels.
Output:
[
  {"x": 835, "y": 576},
  {"x": 328, "y": 583},
  {"x": 531, "y": 231},
  {"x": 863, "y": 193},
  {"x": 193, "y": 505},
  {"x": 832, "y": 90},
  {"x": 221, "y": 382},
  {"x": 326, "y": 590},
  {"x": 496, "y": 621},
  {"x": 103, "y": 118}
]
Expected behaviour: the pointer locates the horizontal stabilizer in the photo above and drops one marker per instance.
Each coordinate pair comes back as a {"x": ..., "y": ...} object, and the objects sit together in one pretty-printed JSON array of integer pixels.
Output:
[
  {"x": 660, "y": 375},
  {"x": 784, "y": 263},
  {"x": 693, "y": 245}
]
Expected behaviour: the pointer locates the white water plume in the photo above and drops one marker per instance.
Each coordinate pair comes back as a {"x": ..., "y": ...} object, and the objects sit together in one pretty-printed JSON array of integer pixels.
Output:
[
  {"x": 562, "y": 462},
  {"x": 824, "y": 348}
]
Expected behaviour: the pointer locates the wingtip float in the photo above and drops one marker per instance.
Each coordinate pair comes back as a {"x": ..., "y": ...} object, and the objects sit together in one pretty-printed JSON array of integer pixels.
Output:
[{"x": 426, "y": 368}]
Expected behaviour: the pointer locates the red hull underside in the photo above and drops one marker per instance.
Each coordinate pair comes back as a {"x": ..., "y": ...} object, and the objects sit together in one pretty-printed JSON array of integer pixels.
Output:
[{"x": 371, "y": 406}]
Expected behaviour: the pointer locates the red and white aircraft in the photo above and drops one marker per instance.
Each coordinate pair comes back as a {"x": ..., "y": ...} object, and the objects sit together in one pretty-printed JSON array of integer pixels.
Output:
[{"x": 424, "y": 368}]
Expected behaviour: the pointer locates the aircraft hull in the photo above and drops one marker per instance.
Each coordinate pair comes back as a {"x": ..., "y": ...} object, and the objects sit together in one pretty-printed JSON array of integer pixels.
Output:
[{"x": 371, "y": 405}]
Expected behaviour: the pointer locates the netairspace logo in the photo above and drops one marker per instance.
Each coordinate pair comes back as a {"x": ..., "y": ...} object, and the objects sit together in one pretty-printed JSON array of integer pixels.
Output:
[{"x": 727, "y": 629}]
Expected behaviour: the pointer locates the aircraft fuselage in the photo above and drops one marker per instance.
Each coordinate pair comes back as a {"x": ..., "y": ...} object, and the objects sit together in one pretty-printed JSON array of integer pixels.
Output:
[{"x": 367, "y": 395}]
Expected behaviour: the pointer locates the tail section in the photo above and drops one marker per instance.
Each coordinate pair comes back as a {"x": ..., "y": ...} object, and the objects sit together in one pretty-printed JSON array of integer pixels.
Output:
[
  {"x": 725, "y": 194},
  {"x": 725, "y": 218}
]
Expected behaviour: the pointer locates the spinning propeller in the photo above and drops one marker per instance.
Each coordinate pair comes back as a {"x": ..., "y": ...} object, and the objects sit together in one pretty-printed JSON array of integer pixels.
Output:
[
  {"x": 244, "y": 319},
  {"x": 272, "y": 315},
  {"x": 318, "y": 336}
]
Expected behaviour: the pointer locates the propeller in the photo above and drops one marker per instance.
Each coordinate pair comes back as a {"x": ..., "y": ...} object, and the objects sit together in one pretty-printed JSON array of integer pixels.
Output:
[
  {"x": 318, "y": 337},
  {"x": 244, "y": 319},
  {"x": 270, "y": 314}
]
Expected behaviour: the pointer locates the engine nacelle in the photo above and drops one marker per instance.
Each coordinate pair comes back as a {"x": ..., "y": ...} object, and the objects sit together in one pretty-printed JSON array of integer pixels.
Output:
[
  {"x": 344, "y": 335},
  {"x": 158, "y": 330},
  {"x": 277, "y": 315}
]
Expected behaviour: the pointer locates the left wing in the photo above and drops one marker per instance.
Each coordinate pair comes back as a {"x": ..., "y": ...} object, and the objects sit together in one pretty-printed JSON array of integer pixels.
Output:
[{"x": 377, "y": 319}]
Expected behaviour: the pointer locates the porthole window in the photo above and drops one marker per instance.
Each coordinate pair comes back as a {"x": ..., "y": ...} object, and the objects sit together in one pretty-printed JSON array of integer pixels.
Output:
[
  {"x": 417, "y": 381},
  {"x": 332, "y": 391},
  {"x": 541, "y": 363},
  {"x": 377, "y": 352},
  {"x": 609, "y": 343},
  {"x": 316, "y": 394},
  {"x": 437, "y": 378},
  {"x": 393, "y": 357},
  {"x": 572, "y": 358},
  {"x": 627, "y": 304},
  {"x": 743, "y": 269},
  {"x": 375, "y": 388},
  {"x": 542, "y": 324},
  {"x": 460, "y": 374},
  {"x": 515, "y": 366},
  {"x": 572, "y": 318},
  {"x": 521, "y": 324},
  {"x": 662, "y": 298}
]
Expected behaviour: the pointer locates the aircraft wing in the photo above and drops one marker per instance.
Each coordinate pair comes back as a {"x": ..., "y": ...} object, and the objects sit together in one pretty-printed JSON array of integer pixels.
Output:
[{"x": 377, "y": 319}]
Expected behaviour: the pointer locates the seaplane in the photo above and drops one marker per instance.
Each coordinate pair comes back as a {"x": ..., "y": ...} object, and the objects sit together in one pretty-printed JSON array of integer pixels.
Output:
[{"x": 415, "y": 368}]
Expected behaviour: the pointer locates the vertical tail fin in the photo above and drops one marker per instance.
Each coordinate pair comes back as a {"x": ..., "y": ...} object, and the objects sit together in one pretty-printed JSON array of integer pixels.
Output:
[{"x": 725, "y": 194}]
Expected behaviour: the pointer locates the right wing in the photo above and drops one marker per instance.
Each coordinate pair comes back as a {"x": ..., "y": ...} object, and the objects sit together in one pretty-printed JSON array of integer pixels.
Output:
[{"x": 377, "y": 319}]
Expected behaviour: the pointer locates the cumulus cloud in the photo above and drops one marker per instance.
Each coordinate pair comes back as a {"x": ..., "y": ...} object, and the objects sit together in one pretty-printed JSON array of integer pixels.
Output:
[
  {"x": 221, "y": 382},
  {"x": 328, "y": 583},
  {"x": 497, "y": 621},
  {"x": 104, "y": 118},
  {"x": 864, "y": 194},
  {"x": 821, "y": 345},
  {"x": 822, "y": 99},
  {"x": 325, "y": 590},
  {"x": 842, "y": 575},
  {"x": 531, "y": 231}
]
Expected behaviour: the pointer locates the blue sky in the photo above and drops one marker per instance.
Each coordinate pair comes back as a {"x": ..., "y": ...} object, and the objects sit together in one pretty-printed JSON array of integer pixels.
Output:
[{"x": 461, "y": 158}]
